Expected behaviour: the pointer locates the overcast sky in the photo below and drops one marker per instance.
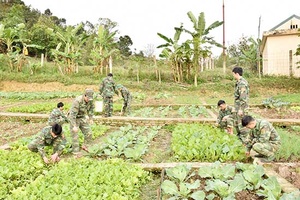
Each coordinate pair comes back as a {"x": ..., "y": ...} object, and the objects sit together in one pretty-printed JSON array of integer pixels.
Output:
[{"x": 142, "y": 19}]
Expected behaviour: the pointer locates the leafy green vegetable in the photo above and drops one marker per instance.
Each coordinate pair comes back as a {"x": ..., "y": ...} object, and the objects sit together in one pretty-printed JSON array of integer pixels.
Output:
[
  {"x": 197, "y": 142},
  {"x": 178, "y": 172}
]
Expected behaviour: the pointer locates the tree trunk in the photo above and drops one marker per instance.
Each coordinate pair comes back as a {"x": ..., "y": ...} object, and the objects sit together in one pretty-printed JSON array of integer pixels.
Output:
[
  {"x": 159, "y": 77},
  {"x": 110, "y": 64},
  {"x": 178, "y": 72},
  {"x": 137, "y": 75},
  {"x": 195, "y": 80}
]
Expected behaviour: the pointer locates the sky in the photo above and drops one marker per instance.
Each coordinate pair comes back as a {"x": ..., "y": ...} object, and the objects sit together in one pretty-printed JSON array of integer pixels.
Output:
[{"x": 141, "y": 20}]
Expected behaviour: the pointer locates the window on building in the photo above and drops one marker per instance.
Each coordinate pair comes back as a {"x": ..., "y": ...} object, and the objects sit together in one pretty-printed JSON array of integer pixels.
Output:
[{"x": 294, "y": 26}]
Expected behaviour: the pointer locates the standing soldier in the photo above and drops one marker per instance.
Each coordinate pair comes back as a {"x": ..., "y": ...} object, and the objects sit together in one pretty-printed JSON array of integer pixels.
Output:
[
  {"x": 57, "y": 115},
  {"x": 226, "y": 116},
  {"x": 50, "y": 135},
  {"x": 263, "y": 138},
  {"x": 82, "y": 107},
  {"x": 126, "y": 98},
  {"x": 241, "y": 99},
  {"x": 107, "y": 90}
]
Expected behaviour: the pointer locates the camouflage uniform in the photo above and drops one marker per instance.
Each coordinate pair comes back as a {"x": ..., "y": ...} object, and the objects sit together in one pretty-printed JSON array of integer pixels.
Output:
[
  {"x": 78, "y": 117},
  {"x": 229, "y": 122},
  {"x": 241, "y": 103},
  {"x": 126, "y": 99},
  {"x": 57, "y": 117},
  {"x": 107, "y": 90},
  {"x": 44, "y": 138},
  {"x": 263, "y": 139}
]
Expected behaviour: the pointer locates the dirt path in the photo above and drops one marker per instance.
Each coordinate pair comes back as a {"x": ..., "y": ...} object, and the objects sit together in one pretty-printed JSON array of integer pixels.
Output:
[{"x": 14, "y": 86}]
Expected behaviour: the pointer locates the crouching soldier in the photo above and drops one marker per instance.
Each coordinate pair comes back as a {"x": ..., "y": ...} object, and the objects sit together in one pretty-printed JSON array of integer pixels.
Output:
[
  {"x": 126, "y": 98},
  {"x": 57, "y": 115},
  {"x": 226, "y": 116},
  {"x": 50, "y": 135},
  {"x": 263, "y": 138}
]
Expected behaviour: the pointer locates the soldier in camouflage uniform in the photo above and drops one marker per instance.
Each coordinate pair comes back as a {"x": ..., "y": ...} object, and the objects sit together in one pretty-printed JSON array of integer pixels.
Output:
[
  {"x": 50, "y": 135},
  {"x": 226, "y": 116},
  {"x": 126, "y": 98},
  {"x": 241, "y": 99},
  {"x": 107, "y": 90},
  {"x": 262, "y": 138},
  {"x": 57, "y": 115},
  {"x": 82, "y": 107}
]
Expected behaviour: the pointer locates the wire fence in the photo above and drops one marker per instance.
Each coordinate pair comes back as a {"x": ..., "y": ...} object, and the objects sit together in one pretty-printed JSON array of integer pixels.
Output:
[{"x": 284, "y": 63}]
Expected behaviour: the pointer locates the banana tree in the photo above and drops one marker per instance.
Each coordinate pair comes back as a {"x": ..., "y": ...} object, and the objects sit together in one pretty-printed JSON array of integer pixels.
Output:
[
  {"x": 8, "y": 36},
  {"x": 172, "y": 53},
  {"x": 16, "y": 42},
  {"x": 200, "y": 39},
  {"x": 249, "y": 54},
  {"x": 104, "y": 48},
  {"x": 68, "y": 51}
]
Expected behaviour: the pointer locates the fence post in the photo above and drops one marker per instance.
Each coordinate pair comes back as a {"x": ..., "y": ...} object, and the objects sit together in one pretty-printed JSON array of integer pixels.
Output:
[{"x": 290, "y": 63}]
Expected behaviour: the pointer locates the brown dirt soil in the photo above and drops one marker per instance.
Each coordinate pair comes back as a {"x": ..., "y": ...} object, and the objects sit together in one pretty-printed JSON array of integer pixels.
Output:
[
  {"x": 12, "y": 131},
  {"x": 276, "y": 114},
  {"x": 290, "y": 172},
  {"x": 13, "y": 86},
  {"x": 159, "y": 149}
]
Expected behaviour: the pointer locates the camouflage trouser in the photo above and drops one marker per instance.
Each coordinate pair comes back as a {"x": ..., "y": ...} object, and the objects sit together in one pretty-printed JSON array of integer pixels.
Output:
[
  {"x": 265, "y": 149},
  {"x": 86, "y": 130},
  {"x": 228, "y": 123},
  {"x": 242, "y": 132},
  {"x": 58, "y": 145},
  {"x": 108, "y": 106},
  {"x": 126, "y": 105}
]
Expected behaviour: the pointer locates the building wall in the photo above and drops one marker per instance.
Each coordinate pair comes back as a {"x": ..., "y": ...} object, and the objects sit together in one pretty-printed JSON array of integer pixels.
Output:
[{"x": 276, "y": 55}]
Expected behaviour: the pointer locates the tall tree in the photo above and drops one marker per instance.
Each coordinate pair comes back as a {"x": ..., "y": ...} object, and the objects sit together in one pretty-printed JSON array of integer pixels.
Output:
[{"x": 123, "y": 45}]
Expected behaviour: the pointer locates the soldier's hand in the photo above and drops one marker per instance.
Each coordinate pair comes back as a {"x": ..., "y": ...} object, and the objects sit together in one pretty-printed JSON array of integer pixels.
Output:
[
  {"x": 55, "y": 157},
  {"x": 75, "y": 129},
  {"x": 91, "y": 121},
  {"x": 225, "y": 118},
  {"x": 247, "y": 153},
  {"x": 240, "y": 113},
  {"x": 46, "y": 160}
]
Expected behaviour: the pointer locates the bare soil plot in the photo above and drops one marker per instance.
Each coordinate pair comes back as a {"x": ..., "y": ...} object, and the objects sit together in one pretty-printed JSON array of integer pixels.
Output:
[
  {"x": 276, "y": 113},
  {"x": 289, "y": 171},
  {"x": 12, "y": 131}
]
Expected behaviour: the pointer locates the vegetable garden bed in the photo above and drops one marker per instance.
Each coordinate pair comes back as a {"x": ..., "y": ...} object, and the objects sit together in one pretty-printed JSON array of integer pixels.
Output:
[
  {"x": 155, "y": 141},
  {"x": 177, "y": 143}
]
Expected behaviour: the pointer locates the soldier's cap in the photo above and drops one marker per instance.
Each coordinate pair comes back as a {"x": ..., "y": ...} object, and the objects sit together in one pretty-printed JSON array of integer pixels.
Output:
[
  {"x": 119, "y": 86},
  {"x": 89, "y": 93},
  {"x": 56, "y": 129}
]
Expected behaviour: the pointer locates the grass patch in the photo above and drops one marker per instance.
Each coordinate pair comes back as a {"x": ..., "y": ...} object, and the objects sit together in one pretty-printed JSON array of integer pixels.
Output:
[
  {"x": 290, "y": 140},
  {"x": 292, "y": 98}
]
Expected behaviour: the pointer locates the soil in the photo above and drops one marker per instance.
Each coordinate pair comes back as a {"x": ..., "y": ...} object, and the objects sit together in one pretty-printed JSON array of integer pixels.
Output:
[
  {"x": 276, "y": 113},
  {"x": 290, "y": 172},
  {"x": 12, "y": 131},
  {"x": 159, "y": 149},
  {"x": 7, "y": 86}
]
